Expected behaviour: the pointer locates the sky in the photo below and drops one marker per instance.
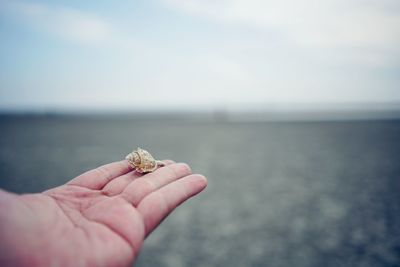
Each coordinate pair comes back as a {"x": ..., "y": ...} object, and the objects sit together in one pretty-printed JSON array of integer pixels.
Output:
[{"x": 197, "y": 54}]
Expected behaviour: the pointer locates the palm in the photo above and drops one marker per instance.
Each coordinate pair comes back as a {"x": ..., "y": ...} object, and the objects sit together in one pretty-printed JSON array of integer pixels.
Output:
[{"x": 102, "y": 217}]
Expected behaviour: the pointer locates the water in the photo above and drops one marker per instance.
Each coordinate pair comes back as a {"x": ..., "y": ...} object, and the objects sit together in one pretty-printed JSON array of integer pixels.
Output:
[{"x": 280, "y": 193}]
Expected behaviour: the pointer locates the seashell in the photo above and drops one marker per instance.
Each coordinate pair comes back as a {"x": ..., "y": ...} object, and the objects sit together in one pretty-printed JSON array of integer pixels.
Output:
[{"x": 142, "y": 161}]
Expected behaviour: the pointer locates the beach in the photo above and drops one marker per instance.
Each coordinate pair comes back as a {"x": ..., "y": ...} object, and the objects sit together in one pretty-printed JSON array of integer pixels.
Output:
[{"x": 280, "y": 193}]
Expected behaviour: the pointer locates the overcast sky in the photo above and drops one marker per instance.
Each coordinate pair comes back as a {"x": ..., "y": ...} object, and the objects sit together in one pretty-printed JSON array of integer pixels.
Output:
[{"x": 161, "y": 54}]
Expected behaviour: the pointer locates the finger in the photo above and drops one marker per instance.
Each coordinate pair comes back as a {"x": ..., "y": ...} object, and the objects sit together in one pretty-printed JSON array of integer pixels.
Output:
[
  {"x": 117, "y": 185},
  {"x": 97, "y": 178},
  {"x": 141, "y": 187},
  {"x": 157, "y": 205}
]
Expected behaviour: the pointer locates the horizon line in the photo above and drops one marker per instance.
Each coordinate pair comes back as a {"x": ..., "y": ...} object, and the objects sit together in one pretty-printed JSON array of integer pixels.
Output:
[
  {"x": 231, "y": 108},
  {"x": 274, "y": 112}
]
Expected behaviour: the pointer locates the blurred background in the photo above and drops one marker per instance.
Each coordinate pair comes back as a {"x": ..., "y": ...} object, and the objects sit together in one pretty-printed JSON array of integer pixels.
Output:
[{"x": 290, "y": 108}]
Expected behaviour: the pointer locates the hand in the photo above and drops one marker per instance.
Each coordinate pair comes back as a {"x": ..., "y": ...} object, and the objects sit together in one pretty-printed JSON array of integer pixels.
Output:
[{"x": 100, "y": 218}]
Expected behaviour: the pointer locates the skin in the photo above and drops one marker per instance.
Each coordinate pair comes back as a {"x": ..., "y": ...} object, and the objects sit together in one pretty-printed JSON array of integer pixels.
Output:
[{"x": 99, "y": 218}]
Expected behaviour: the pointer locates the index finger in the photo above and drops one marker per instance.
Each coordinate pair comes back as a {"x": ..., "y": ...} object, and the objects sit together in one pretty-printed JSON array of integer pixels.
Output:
[{"x": 97, "y": 178}]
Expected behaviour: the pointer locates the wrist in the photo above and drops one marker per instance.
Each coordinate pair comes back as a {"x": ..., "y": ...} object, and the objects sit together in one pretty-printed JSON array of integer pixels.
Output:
[{"x": 21, "y": 242}]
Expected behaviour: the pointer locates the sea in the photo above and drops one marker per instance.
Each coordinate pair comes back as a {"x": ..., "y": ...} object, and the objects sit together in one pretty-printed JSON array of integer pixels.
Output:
[{"x": 281, "y": 192}]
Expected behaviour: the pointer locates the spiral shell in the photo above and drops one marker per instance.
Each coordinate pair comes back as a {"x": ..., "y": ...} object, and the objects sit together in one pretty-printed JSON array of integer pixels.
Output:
[{"x": 142, "y": 161}]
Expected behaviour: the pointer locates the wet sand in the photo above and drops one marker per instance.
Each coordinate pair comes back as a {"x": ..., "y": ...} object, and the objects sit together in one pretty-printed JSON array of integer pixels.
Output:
[{"x": 280, "y": 193}]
